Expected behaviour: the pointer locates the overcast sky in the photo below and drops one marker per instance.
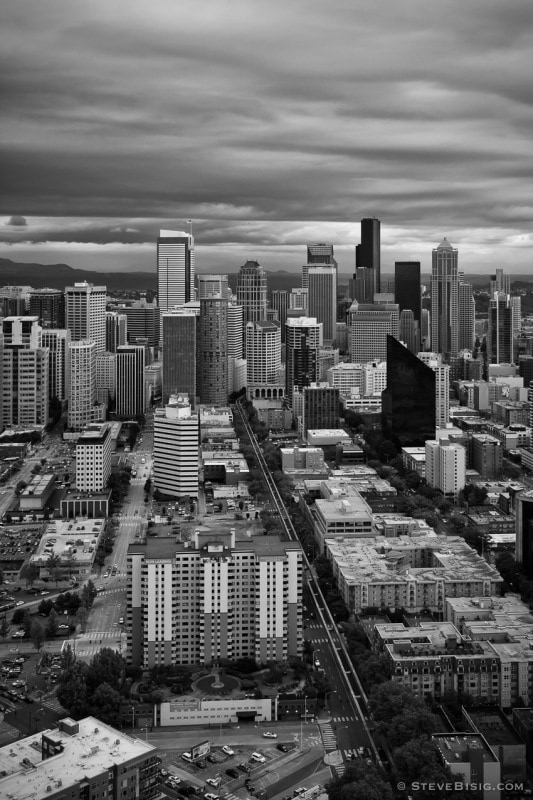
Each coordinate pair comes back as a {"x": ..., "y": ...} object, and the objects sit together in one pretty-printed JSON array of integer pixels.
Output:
[{"x": 270, "y": 125}]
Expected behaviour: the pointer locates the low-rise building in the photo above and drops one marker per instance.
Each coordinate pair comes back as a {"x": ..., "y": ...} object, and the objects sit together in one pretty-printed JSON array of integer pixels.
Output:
[
  {"x": 505, "y": 743},
  {"x": 79, "y": 759},
  {"x": 93, "y": 458},
  {"x": 470, "y": 760},
  {"x": 68, "y": 547},
  {"x": 36, "y": 494}
]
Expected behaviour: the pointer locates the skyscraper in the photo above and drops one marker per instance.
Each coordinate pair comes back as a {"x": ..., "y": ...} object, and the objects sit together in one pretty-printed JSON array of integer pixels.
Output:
[
  {"x": 213, "y": 339},
  {"x": 252, "y": 291},
  {"x": 24, "y": 381},
  {"x": 143, "y": 322},
  {"x": 116, "y": 331},
  {"x": 235, "y": 344},
  {"x": 85, "y": 306},
  {"x": 500, "y": 330},
  {"x": 369, "y": 325},
  {"x": 408, "y": 402},
  {"x": 467, "y": 316},
  {"x": 180, "y": 336},
  {"x": 176, "y": 443},
  {"x": 175, "y": 269},
  {"x": 444, "y": 300},
  {"x": 303, "y": 340},
  {"x": 409, "y": 331},
  {"x": 130, "y": 381},
  {"x": 524, "y": 531},
  {"x": 82, "y": 407},
  {"x": 280, "y": 303},
  {"x": 407, "y": 287},
  {"x": 320, "y": 254},
  {"x": 322, "y": 285},
  {"x": 500, "y": 282},
  {"x": 49, "y": 306},
  {"x": 57, "y": 342},
  {"x": 368, "y": 253},
  {"x": 263, "y": 353}
]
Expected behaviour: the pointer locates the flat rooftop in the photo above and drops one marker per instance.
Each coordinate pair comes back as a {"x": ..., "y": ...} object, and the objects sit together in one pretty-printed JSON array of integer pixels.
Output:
[
  {"x": 493, "y": 725},
  {"x": 455, "y": 749},
  {"x": 86, "y": 754}
]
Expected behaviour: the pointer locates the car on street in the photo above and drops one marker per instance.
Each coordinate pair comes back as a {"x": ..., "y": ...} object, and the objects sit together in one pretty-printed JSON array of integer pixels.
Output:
[
  {"x": 270, "y": 735},
  {"x": 228, "y": 751},
  {"x": 19, "y": 603},
  {"x": 211, "y": 796},
  {"x": 285, "y": 747},
  {"x": 244, "y": 767},
  {"x": 214, "y": 782},
  {"x": 44, "y": 592}
]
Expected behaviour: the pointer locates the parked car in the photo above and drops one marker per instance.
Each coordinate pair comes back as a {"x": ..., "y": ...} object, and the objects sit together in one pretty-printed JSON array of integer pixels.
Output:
[
  {"x": 259, "y": 757},
  {"x": 228, "y": 751},
  {"x": 270, "y": 735},
  {"x": 214, "y": 782},
  {"x": 232, "y": 772}
]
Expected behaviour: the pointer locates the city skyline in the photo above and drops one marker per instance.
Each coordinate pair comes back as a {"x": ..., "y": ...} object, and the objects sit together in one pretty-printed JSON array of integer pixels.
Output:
[{"x": 118, "y": 125}]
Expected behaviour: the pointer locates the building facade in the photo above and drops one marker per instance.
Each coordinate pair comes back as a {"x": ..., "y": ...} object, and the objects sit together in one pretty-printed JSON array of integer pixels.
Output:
[
  {"x": 445, "y": 300},
  {"x": 93, "y": 458},
  {"x": 176, "y": 453},
  {"x": 175, "y": 269},
  {"x": 85, "y": 310}
]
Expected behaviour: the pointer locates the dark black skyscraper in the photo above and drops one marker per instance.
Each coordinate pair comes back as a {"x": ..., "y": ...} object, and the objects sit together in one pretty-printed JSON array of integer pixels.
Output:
[
  {"x": 408, "y": 402},
  {"x": 407, "y": 292},
  {"x": 368, "y": 253}
]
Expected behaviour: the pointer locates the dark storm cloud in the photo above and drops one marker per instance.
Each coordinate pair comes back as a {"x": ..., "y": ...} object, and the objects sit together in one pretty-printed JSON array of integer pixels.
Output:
[{"x": 261, "y": 120}]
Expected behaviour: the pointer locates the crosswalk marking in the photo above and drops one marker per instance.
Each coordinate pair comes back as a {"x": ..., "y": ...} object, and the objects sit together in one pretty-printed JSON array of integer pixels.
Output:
[
  {"x": 342, "y": 719},
  {"x": 329, "y": 739}
]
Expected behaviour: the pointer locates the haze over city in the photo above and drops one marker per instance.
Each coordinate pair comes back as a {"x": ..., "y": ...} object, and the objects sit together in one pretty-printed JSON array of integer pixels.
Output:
[{"x": 268, "y": 125}]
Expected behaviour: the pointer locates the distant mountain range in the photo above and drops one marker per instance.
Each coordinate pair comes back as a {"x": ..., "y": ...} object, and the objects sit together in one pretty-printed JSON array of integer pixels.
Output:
[{"x": 57, "y": 276}]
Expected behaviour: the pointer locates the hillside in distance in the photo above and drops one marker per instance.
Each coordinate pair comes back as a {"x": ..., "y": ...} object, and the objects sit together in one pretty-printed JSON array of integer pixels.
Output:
[{"x": 57, "y": 276}]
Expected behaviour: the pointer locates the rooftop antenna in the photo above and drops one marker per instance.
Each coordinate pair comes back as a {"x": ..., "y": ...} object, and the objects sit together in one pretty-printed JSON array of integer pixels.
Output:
[{"x": 189, "y": 223}]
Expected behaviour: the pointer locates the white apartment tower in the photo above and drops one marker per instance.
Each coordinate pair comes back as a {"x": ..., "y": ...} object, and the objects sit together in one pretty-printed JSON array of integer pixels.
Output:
[
  {"x": 214, "y": 598},
  {"x": 24, "y": 374},
  {"x": 85, "y": 313},
  {"x": 263, "y": 353},
  {"x": 176, "y": 448},
  {"x": 57, "y": 341},
  {"x": 93, "y": 458},
  {"x": 175, "y": 269},
  {"x": 131, "y": 390},
  {"x": 213, "y": 339},
  {"x": 83, "y": 408},
  {"x": 446, "y": 466}
]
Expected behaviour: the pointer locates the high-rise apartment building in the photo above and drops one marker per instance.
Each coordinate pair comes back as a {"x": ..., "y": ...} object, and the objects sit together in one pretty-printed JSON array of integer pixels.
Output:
[
  {"x": 83, "y": 408},
  {"x": 322, "y": 285},
  {"x": 106, "y": 378},
  {"x": 143, "y": 321},
  {"x": 444, "y": 300},
  {"x": 516, "y": 314},
  {"x": 466, "y": 316},
  {"x": 57, "y": 342},
  {"x": 235, "y": 344},
  {"x": 49, "y": 306},
  {"x": 116, "y": 331},
  {"x": 369, "y": 326},
  {"x": 214, "y": 598},
  {"x": 175, "y": 269},
  {"x": 180, "y": 332},
  {"x": 500, "y": 330},
  {"x": 213, "y": 339},
  {"x": 303, "y": 340},
  {"x": 131, "y": 390},
  {"x": 93, "y": 458},
  {"x": 320, "y": 408},
  {"x": 176, "y": 448},
  {"x": 87, "y": 758},
  {"x": 368, "y": 252},
  {"x": 263, "y": 353},
  {"x": 85, "y": 309},
  {"x": 252, "y": 291},
  {"x": 24, "y": 374},
  {"x": 445, "y": 466},
  {"x": 298, "y": 302}
]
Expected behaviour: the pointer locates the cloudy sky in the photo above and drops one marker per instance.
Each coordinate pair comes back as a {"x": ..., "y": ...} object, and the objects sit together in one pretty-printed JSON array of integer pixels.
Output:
[{"x": 269, "y": 124}]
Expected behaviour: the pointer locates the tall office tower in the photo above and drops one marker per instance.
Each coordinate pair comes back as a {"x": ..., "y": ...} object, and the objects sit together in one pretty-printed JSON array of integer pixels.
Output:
[
  {"x": 93, "y": 458},
  {"x": 213, "y": 341},
  {"x": 57, "y": 342},
  {"x": 368, "y": 253},
  {"x": 524, "y": 531},
  {"x": 320, "y": 408},
  {"x": 24, "y": 383},
  {"x": 408, "y": 331},
  {"x": 214, "y": 598},
  {"x": 467, "y": 316},
  {"x": 180, "y": 337},
  {"x": 299, "y": 301},
  {"x": 442, "y": 386},
  {"x": 175, "y": 269},
  {"x": 280, "y": 303},
  {"x": 322, "y": 285},
  {"x": 176, "y": 448},
  {"x": 369, "y": 326},
  {"x": 235, "y": 343},
  {"x": 83, "y": 408},
  {"x": 303, "y": 340},
  {"x": 106, "y": 378},
  {"x": 408, "y": 402},
  {"x": 425, "y": 331},
  {"x": 252, "y": 291},
  {"x": 500, "y": 330},
  {"x": 525, "y": 369},
  {"x": 154, "y": 380},
  {"x": 213, "y": 286},
  {"x": 263, "y": 353},
  {"x": 143, "y": 322},
  {"x": 320, "y": 254},
  {"x": 131, "y": 391},
  {"x": 361, "y": 286},
  {"x": 14, "y": 301},
  {"x": 116, "y": 331},
  {"x": 516, "y": 313},
  {"x": 444, "y": 300},
  {"x": 500, "y": 282},
  {"x": 407, "y": 288},
  {"x": 49, "y": 306},
  {"x": 446, "y": 466},
  {"x": 85, "y": 313},
  {"x": 1, "y": 379}
]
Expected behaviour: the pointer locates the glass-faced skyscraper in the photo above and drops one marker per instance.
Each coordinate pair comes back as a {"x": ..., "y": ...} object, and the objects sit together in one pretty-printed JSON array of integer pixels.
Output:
[
  {"x": 252, "y": 291},
  {"x": 175, "y": 269},
  {"x": 445, "y": 300},
  {"x": 368, "y": 253}
]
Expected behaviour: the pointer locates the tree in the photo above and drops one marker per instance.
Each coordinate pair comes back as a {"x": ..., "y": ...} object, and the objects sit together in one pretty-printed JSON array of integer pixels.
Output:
[
  {"x": 67, "y": 658},
  {"x": 105, "y": 704},
  {"x": 359, "y": 782},
  {"x": 82, "y": 616},
  {"x": 410, "y": 724},
  {"x": 36, "y": 634},
  {"x": 53, "y": 565},
  {"x": 31, "y": 574},
  {"x": 52, "y": 625},
  {"x": 88, "y": 594},
  {"x": 4, "y": 628},
  {"x": 418, "y": 760},
  {"x": 390, "y": 699},
  {"x": 45, "y": 607},
  {"x": 72, "y": 690},
  {"x": 106, "y": 667}
]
